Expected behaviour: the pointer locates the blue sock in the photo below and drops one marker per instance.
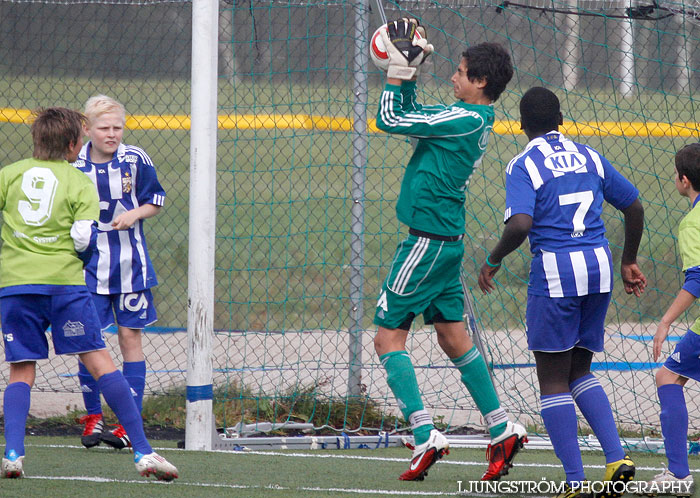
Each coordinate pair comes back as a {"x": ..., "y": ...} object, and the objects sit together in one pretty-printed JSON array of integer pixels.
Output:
[
  {"x": 135, "y": 375},
  {"x": 559, "y": 416},
  {"x": 91, "y": 393},
  {"x": 674, "y": 427},
  {"x": 16, "y": 408},
  {"x": 117, "y": 394},
  {"x": 595, "y": 407}
]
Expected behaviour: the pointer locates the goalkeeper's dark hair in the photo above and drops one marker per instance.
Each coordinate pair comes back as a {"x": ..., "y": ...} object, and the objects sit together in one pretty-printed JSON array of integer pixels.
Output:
[
  {"x": 54, "y": 130},
  {"x": 688, "y": 164},
  {"x": 539, "y": 110},
  {"x": 491, "y": 61}
]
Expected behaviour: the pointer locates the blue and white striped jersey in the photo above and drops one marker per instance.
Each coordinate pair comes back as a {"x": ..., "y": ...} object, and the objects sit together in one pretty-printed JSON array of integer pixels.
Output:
[
  {"x": 121, "y": 265},
  {"x": 562, "y": 185}
]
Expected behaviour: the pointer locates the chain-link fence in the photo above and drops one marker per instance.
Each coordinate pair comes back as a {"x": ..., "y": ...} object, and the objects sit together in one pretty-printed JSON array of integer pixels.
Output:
[{"x": 287, "y": 182}]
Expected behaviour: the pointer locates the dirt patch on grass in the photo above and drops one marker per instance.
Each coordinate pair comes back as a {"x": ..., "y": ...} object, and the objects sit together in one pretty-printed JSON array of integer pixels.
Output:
[{"x": 55, "y": 427}]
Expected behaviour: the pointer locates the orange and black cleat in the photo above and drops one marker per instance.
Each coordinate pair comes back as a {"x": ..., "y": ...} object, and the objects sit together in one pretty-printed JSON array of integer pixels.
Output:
[{"x": 502, "y": 450}]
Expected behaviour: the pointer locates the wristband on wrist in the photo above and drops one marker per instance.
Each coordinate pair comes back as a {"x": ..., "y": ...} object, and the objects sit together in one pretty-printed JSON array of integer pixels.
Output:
[{"x": 491, "y": 264}]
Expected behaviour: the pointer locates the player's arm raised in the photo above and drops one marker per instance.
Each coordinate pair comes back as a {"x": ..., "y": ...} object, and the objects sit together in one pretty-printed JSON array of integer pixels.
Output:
[
  {"x": 405, "y": 50},
  {"x": 394, "y": 117}
]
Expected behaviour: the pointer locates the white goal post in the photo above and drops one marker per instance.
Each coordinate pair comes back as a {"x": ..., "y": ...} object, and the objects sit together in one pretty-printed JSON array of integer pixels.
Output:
[{"x": 202, "y": 227}]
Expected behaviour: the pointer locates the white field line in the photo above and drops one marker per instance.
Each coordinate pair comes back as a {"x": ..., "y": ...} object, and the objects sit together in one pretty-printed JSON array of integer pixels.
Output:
[
  {"x": 267, "y": 488},
  {"x": 341, "y": 456},
  {"x": 243, "y": 486}
]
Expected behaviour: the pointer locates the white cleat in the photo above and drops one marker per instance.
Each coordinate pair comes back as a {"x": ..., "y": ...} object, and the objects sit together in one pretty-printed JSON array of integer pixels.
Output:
[
  {"x": 666, "y": 483},
  {"x": 155, "y": 465},
  {"x": 425, "y": 455},
  {"x": 12, "y": 465}
]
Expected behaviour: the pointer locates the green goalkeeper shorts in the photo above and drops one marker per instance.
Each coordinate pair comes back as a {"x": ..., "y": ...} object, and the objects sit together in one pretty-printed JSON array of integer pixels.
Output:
[{"x": 424, "y": 278}]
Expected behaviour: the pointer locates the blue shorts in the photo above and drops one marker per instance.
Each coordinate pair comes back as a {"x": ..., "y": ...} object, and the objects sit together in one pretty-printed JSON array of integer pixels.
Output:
[
  {"x": 556, "y": 324},
  {"x": 134, "y": 310},
  {"x": 684, "y": 360},
  {"x": 75, "y": 327}
]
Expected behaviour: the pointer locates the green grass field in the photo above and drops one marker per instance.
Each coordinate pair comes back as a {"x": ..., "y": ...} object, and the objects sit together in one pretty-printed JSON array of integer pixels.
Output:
[{"x": 59, "y": 466}]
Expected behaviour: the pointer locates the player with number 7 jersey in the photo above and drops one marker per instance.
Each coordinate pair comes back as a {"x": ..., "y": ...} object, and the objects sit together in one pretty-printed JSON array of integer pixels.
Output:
[
  {"x": 570, "y": 252},
  {"x": 555, "y": 191}
]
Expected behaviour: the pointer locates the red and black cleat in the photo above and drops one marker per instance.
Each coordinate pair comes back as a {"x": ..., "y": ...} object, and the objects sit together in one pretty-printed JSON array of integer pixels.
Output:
[
  {"x": 502, "y": 450},
  {"x": 117, "y": 438},
  {"x": 93, "y": 429}
]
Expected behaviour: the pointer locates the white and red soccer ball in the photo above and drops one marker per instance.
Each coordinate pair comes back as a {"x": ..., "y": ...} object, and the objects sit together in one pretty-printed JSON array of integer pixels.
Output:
[{"x": 377, "y": 50}]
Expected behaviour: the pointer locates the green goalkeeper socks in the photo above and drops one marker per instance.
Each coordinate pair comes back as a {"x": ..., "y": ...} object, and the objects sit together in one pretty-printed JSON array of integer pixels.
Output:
[
  {"x": 401, "y": 378},
  {"x": 475, "y": 375}
]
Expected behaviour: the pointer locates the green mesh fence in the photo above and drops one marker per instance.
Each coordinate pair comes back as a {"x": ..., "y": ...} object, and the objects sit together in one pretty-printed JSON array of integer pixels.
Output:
[
  {"x": 296, "y": 282},
  {"x": 61, "y": 53}
]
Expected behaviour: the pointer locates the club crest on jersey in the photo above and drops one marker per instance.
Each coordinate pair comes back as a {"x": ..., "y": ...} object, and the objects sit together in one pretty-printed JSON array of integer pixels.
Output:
[
  {"x": 73, "y": 329},
  {"x": 484, "y": 138},
  {"x": 565, "y": 162},
  {"x": 126, "y": 183}
]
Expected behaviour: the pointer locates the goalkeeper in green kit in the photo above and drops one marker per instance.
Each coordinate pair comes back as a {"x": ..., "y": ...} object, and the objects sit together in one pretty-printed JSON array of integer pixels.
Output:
[{"x": 425, "y": 273}]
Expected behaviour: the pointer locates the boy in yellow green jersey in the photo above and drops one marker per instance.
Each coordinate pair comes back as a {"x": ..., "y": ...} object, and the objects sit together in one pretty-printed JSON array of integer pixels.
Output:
[
  {"x": 49, "y": 211},
  {"x": 684, "y": 362}
]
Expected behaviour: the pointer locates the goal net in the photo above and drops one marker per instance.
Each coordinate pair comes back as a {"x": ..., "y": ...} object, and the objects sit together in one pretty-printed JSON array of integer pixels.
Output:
[{"x": 306, "y": 227}]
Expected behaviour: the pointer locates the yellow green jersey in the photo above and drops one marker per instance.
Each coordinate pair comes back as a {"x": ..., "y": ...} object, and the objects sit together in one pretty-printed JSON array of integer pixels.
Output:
[
  {"x": 689, "y": 247},
  {"x": 40, "y": 200}
]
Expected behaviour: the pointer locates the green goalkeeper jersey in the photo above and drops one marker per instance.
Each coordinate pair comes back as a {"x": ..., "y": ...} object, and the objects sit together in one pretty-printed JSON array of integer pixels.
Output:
[
  {"x": 451, "y": 143},
  {"x": 40, "y": 200}
]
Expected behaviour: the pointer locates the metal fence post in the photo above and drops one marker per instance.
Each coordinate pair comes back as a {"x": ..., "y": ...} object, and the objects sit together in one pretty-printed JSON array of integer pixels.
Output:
[{"x": 359, "y": 160}]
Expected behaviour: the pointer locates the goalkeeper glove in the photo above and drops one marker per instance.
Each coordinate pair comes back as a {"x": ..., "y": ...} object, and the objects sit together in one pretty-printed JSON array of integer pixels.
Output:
[
  {"x": 404, "y": 50},
  {"x": 429, "y": 49}
]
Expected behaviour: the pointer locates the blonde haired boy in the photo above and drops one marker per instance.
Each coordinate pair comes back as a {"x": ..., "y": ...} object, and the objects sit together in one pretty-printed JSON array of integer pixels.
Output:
[{"x": 120, "y": 275}]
